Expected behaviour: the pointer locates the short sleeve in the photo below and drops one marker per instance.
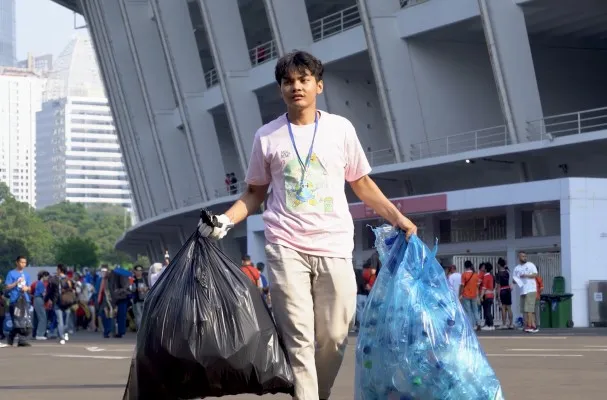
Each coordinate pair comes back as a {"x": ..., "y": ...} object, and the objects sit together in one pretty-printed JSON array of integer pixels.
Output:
[
  {"x": 258, "y": 173},
  {"x": 357, "y": 164},
  {"x": 10, "y": 279}
]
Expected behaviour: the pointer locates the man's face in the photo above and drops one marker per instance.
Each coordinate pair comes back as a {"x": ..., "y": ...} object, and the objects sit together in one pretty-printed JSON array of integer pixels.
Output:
[
  {"x": 299, "y": 90},
  {"x": 21, "y": 263},
  {"x": 522, "y": 257},
  {"x": 138, "y": 273}
]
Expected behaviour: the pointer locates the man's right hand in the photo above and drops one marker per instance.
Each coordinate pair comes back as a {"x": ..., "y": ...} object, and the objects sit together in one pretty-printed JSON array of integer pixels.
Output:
[{"x": 221, "y": 225}]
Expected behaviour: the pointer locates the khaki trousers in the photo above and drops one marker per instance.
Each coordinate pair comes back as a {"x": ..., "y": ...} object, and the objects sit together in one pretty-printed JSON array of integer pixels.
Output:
[{"x": 313, "y": 300}]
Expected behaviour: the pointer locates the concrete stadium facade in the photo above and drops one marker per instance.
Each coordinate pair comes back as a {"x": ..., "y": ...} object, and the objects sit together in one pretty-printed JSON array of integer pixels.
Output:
[{"x": 459, "y": 98}]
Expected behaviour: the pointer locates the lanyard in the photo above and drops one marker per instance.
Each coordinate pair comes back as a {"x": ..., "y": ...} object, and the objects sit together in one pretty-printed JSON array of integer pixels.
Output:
[{"x": 306, "y": 164}]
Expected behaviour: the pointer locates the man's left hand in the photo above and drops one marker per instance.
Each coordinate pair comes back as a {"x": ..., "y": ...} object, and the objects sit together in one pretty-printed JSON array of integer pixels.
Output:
[{"x": 407, "y": 226}]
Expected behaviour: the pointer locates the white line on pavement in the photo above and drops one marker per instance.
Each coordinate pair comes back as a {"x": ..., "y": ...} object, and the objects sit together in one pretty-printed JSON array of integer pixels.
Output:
[
  {"x": 541, "y": 350},
  {"x": 523, "y": 337},
  {"x": 83, "y": 356},
  {"x": 535, "y": 355}
]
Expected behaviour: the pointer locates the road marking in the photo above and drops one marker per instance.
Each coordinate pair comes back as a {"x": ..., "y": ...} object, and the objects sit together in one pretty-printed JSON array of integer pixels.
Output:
[
  {"x": 535, "y": 355},
  {"x": 83, "y": 356},
  {"x": 603, "y": 346},
  {"x": 94, "y": 349},
  {"x": 523, "y": 337},
  {"x": 534, "y": 350}
]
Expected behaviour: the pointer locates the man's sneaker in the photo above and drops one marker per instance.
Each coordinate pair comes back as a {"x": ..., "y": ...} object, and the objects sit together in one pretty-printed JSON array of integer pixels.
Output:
[
  {"x": 488, "y": 328},
  {"x": 41, "y": 338},
  {"x": 3, "y": 345},
  {"x": 534, "y": 330},
  {"x": 62, "y": 341},
  {"x": 66, "y": 337}
]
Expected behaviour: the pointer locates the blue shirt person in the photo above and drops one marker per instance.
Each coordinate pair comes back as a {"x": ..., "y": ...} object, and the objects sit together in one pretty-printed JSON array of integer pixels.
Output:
[{"x": 17, "y": 282}]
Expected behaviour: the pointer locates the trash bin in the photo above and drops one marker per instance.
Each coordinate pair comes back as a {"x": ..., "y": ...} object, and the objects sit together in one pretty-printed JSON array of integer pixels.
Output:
[
  {"x": 558, "y": 285},
  {"x": 545, "y": 311},
  {"x": 561, "y": 310}
]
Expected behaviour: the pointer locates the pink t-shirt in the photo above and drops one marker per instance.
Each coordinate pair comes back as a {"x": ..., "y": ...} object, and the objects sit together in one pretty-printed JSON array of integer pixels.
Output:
[{"x": 314, "y": 219}]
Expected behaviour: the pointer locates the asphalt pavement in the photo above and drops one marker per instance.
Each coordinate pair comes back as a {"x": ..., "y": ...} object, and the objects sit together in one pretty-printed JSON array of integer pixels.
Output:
[{"x": 563, "y": 364}]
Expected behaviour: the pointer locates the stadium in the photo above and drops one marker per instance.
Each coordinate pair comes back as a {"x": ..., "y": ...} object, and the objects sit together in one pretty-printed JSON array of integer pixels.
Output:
[{"x": 484, "y": 120}]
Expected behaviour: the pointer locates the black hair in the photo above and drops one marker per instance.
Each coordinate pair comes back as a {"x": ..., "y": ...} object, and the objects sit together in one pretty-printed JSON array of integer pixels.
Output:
[
  {"x": 19, "y": 258},
  {"x": 42, "y": 274},
  {"x": 299, "y": 61},
  {"x": 468, "y": 264},
  {"x": 501, "y": 262},
  {"x": 62, "y": 268},
  {"x": 138, "y": 267},
  {"x": 488, "y": 267},
  {"x": 246, "y": 258}
]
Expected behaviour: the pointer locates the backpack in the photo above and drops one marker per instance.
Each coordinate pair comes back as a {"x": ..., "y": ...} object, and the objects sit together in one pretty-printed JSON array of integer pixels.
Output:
[{"x": 67, "y": 296}]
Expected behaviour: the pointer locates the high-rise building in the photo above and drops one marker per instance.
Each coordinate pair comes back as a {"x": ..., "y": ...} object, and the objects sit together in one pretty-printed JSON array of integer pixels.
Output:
[
  {"x": 20, "y": 99},
  {"x": 78, "y": 151},
  {"x": 40, "y": 64},
  {"x": 8, "y": 42}
]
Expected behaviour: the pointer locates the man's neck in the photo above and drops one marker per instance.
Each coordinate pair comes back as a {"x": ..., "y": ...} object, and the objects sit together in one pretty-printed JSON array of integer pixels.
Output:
[{"x": 302, "y": 117}]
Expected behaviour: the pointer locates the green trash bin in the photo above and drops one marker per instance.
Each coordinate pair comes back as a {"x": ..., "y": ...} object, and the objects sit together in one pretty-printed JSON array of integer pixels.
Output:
[
  {"x": 545, "y": 312},
  {"x": 558, "y": 285},
  {"x": 561, "y": 310}
]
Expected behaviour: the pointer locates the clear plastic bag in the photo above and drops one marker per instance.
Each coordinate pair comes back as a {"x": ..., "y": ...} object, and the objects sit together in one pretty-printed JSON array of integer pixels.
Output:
[
  {"x": 206, "y": 332},
  {"x": 415, "y": 341}
]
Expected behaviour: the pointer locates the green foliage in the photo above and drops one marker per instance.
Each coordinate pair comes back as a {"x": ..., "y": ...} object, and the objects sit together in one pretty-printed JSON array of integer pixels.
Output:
[
  {"x": 77, "y": 252},
  {"x": 42, "y": 235}
]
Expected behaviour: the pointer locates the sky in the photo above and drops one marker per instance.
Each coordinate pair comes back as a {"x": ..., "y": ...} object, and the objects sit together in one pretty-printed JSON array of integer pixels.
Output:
[{"x": 43, "y": 27}]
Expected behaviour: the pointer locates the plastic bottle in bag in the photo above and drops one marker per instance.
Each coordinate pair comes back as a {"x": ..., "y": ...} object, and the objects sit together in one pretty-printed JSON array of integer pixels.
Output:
[{"x": 415, "y": 342}]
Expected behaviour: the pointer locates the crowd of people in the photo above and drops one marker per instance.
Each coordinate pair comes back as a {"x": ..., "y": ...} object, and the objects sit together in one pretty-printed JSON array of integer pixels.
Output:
[
  {"x": 478, "y": 292},
  {"x": 65, "y": 301}
]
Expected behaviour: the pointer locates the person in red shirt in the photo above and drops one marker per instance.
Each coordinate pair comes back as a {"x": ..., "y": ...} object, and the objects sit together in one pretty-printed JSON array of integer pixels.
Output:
[
  {"x": 468, "y": 294},
  {"x": 251, "y": 271},
  {"x": 487, "y": 296}
]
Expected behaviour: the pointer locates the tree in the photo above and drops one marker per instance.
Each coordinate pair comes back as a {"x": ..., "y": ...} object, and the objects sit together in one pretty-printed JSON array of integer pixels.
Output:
[
  {"x": 19, "y": 223},
  {"x": 10, "y": 249},
  {"x": 77, "y": 252}
]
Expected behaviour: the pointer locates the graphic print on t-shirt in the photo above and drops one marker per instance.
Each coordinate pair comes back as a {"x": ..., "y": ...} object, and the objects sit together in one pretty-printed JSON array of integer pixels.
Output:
[{"x": 309, "y": 194}]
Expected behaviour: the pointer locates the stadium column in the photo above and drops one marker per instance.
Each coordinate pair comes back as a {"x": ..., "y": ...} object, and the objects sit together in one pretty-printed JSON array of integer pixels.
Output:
[
  {"x": 290, "y": 24},
  {"x": 510, "y": 53},
  {"x": 187, "y": 75},
  {"x": 390, "y": 58},
  {"x": 148, "y": 100},
  {"x": 229, "y": 49},
  {"x": 291, "y": 29},
  {"x": 138, "y": 180}
]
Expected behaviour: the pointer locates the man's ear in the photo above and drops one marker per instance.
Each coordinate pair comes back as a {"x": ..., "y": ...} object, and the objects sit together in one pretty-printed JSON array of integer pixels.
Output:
[{"x": 320, "y": 87}]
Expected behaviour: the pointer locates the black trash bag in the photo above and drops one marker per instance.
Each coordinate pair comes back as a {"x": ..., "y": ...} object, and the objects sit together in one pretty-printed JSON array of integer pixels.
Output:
[
  {"x": 206, "y": 332},
  {"x": 22, "y": 314}
]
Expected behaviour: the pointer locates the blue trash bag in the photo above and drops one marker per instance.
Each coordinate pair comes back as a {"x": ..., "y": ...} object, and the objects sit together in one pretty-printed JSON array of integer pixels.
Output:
[{"x": 415, "y": 341}]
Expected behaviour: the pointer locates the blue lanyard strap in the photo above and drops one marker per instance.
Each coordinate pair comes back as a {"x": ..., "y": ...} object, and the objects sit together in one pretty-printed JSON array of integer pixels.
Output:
[{"x": 306, "y": 164}]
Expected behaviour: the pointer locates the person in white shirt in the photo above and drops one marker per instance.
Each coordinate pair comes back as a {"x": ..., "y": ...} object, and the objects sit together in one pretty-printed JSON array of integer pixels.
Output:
[
  {"x": 454, "y": 279},
  {"x": 524, "y": 276}
]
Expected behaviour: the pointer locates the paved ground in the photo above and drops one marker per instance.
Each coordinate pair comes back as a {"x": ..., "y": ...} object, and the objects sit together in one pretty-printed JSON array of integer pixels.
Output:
[{"x": 554, "y": 365}]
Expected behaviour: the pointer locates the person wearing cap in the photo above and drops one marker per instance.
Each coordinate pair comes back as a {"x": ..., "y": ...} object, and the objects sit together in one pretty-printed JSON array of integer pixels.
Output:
[{"x": 140, "y": 289}]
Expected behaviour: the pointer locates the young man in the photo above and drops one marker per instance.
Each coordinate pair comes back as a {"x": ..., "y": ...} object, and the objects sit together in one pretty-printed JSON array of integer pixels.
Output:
[
  {"x": 17, "y": 284},
  {"x": 305, "y": 155},
  {"x": 468, "y": 294},
  {"x": 487, "y": 296},
  {"x": 524, "y": 275}
]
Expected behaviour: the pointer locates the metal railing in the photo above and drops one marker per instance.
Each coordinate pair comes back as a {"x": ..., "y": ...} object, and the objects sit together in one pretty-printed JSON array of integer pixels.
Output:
[
  {"x": 335, "y": 23},
  {"x": 231, "y": 190},
  {"x": 263, "y": 53},
  {"x": 381, "y": 157},
  {"x": 463, "y": 235},
  {"x": 567, "y": 124},
  {"x": 474, "y": 140},
  {"x": 409, "y": 3},
  {"x": 211, "y": 78}
]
